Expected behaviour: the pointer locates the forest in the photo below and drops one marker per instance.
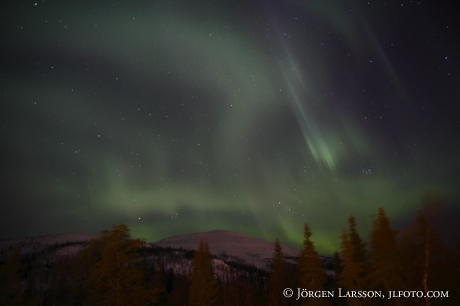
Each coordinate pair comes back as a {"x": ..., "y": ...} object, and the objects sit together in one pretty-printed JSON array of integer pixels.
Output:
[{"x": 115, "y": 269}]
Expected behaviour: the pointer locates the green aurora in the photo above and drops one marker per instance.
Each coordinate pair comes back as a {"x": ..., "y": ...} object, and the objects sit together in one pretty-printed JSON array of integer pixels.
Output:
[{"x": 175, "y": 117}]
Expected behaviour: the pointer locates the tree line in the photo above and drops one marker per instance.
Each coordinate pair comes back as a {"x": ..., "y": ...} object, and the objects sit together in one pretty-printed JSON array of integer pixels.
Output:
[
  {"x": 415, "y": 260},
  {"x": 115, "y": 270}
]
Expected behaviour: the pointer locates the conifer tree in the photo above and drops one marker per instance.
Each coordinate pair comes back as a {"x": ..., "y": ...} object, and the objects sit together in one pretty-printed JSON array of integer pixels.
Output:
[
  {"x": 82, "y": 270},
  {"x": 10, "y": 280},
  {"x": 278, "y": 279},
  {"x": 337, "y": 263},
  {"x": 117, "y": 278},
  {"x": 359, "y": 251},
  {"x": 351, "y": 277},
  {"x": 427, "y": 243},
  {"x": 311, "y": 275},
  {"x": 58, "y": 285},
  {"x": 427, "y": 263},
  {"x": 358, "y": 245},
  {"x": 158, "y": 279},
  {"x": 423, "y": 249},
  {"x": 385, "y": 268},
  {"x": 180, "y": 291},
  {"x": 203, "y": 290}
]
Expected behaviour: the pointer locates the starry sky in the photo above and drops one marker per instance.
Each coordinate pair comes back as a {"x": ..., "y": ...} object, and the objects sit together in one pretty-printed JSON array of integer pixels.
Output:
[{"x": 177, "y": 117}]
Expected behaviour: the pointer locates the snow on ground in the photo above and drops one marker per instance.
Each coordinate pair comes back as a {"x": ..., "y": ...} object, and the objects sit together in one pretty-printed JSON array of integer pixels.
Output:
[
  {"x": 37, "y": 244},
  {"x": 68, "y": 251},
  {"x": 226, "y": 244}
]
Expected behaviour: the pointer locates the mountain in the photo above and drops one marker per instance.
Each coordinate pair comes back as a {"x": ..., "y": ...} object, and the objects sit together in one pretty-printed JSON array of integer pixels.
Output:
[
  {"x": 46, "y": 266},
  {"x": 228, "y": 249},
  {"x": 224, "y": 245},
  {"x": 230, "y": 246},
  {"x": 55, "y": 245}
]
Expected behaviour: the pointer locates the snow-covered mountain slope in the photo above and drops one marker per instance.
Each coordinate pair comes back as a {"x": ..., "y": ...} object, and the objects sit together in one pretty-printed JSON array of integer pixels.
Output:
[
  {"x": 235, "y": 254},
  {"x": 69, "y": 244},
  {"x": 229, "y": 245}
]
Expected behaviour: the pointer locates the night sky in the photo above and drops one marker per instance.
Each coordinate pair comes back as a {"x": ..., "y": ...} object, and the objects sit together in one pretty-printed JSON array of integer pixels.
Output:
[{"x": 177, "y": 117}]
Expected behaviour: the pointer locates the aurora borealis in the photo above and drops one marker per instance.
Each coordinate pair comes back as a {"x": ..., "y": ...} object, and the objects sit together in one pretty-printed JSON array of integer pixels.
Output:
[{"x": 253, "y": 116}]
